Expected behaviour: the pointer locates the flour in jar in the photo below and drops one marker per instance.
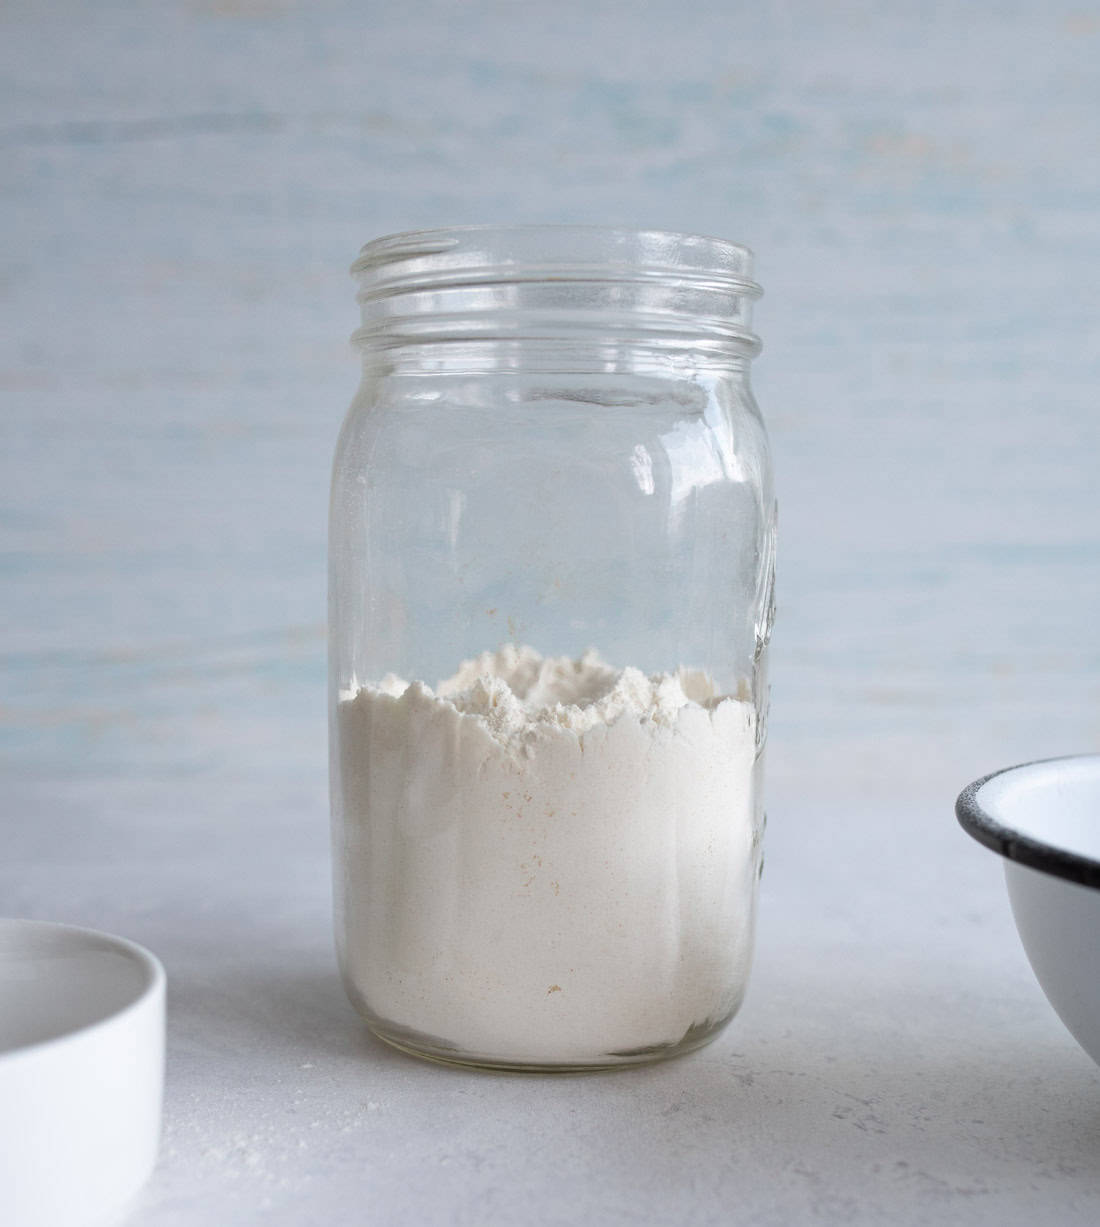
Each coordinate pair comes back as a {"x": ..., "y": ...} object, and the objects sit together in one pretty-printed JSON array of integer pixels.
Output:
[{"x": 544, "y": 860}]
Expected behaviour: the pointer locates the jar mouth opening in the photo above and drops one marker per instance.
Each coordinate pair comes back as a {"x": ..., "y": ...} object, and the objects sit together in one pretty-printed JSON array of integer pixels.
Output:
[
  {"x": 490, "y": 255},
  {"x": 680, "y": 294}
]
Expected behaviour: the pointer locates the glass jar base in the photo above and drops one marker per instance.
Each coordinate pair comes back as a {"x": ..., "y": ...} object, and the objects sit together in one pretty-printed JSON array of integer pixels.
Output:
[{"x": 429, "y": 1049}]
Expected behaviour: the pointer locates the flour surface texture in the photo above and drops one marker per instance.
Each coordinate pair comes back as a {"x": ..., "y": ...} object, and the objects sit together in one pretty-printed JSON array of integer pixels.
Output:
[{"x": 545, "y": 860}]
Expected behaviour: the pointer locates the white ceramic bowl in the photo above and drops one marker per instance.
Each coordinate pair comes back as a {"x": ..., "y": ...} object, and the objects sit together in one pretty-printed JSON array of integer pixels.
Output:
[
  {"x": 81, "y": 1073},
  {"x": 1044, "y": 819}
]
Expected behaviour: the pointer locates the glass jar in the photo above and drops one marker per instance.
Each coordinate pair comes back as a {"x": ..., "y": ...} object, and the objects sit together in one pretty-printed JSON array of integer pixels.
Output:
[{"x": 551, "y": 563}]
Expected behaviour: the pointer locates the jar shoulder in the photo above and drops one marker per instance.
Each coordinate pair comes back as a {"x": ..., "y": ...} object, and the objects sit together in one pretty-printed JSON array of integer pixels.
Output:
[{"x": 691, "y": 430}]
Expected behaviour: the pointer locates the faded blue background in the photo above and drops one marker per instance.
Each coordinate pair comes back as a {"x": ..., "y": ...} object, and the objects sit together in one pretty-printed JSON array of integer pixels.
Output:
[{"x": 182, "y": 186}]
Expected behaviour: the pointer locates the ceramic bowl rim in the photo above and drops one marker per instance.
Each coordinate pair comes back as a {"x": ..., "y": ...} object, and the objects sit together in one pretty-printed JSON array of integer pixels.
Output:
[
  {"x": 153, "y": 986},
  {"x": 1014, "y": 845}
]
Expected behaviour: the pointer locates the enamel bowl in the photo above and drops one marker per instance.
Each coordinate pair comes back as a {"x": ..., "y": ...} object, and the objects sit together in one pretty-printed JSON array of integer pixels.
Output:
[
  {"x": 81, "y": 1073},
  {"x": 1044, "y": 819}
]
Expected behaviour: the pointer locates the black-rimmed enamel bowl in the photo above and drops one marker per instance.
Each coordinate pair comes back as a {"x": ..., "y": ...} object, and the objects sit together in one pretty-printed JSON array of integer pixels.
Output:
[{"x": 1044, "y": 819}]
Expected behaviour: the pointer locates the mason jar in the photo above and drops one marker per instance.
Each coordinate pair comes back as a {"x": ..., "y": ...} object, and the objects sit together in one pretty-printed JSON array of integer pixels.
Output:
[{"x": 551, "y": 567}]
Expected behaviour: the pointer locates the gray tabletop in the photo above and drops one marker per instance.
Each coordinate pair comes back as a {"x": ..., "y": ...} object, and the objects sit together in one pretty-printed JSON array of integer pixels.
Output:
[{"x": 183, "y": 187}]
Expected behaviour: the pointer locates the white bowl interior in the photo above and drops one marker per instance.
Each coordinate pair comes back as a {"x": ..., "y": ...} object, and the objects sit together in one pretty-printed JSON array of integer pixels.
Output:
[
  {"x": 1055, "y": 803},
  {"x": 55, "y": 980}
]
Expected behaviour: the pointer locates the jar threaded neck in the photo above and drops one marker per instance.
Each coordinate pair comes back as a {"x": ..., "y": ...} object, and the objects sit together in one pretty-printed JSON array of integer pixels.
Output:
[{"x": 578, "y": 288}]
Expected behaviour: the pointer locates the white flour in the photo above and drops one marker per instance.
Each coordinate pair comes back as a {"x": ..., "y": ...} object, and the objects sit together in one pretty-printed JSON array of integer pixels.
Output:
[{"x": 546, "y": 861}]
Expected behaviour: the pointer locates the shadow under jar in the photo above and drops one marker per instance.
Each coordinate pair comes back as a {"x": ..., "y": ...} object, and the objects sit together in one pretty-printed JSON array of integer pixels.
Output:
[{"x": 551, "y": 565}]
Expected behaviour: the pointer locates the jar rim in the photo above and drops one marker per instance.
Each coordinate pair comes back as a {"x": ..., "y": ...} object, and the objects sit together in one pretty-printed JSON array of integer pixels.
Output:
[
  {"x": 490, "y": 254},
  {"x": 584, "y": 294}
]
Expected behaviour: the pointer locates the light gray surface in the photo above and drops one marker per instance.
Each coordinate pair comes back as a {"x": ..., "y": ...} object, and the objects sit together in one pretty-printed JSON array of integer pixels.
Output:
[{"x": 182, "y": 188}]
